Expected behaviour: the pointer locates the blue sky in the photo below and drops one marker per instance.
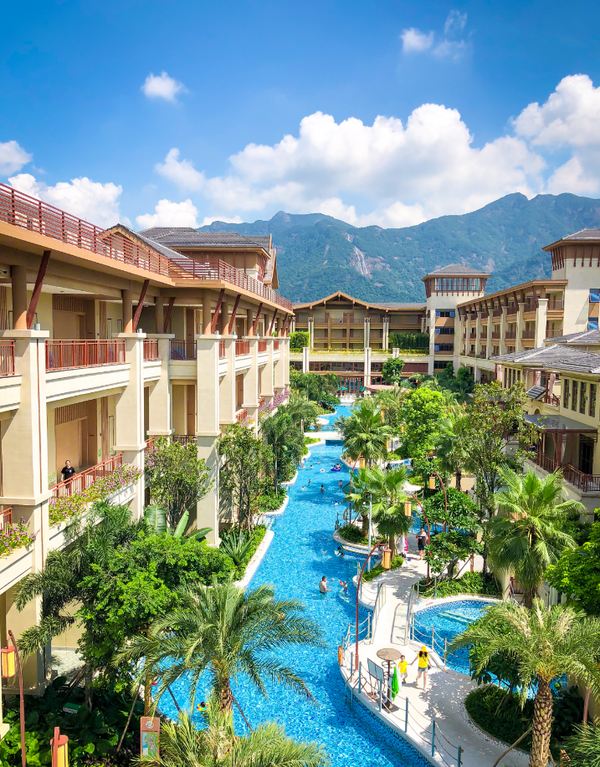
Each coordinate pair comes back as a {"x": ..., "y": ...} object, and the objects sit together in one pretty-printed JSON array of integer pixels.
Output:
[{"x": 375, "y": 112}]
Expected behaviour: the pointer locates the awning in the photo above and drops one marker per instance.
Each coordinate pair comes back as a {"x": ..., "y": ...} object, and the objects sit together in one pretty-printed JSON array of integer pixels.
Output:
[{"x": 559, "y": 423}]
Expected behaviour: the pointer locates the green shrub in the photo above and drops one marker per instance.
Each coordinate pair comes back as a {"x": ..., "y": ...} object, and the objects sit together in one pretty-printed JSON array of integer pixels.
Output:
[
  {"x": 394, "y": 565},
  {"x": 469, "y": 583},
  {"x": 271, "y": 501},
  {"x": 92, "y": 736},
  {"x": 241, "y": 546},
  {"x": 499, "y": 713},
  {"x": 352, "y": 534}
]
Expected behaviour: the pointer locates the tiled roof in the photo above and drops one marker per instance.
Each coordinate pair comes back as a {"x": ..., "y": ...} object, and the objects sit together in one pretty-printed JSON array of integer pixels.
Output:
[
  {"x": 536, "y": 392},
  {"x": 458, "y": 270},
  {"x": 186, "y": 237},
  {"x": 584, "y": 234},
  {"x": 158, "y": 246},
  {"x": 584, "y": 337},
  {"x": 340, "y": 295},
  {"x": 555, "y": 357}
]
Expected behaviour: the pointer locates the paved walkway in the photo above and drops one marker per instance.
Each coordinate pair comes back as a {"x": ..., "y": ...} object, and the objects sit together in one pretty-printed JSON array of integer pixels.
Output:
[{"x": 446, "y": 689}]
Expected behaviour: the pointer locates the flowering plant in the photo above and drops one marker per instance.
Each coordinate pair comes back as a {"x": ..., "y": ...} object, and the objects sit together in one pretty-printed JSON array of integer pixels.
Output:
[
  {"x": 14, "y": 536},
  {"x": 66, "y": 506}
]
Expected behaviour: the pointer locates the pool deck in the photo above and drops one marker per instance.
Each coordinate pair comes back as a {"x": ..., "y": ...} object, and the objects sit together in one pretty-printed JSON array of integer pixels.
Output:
[{"x": 446, "y": 689}]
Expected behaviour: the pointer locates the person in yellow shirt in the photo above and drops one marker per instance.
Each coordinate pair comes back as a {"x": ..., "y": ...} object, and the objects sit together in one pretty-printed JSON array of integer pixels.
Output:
[
  {"x": 423, "y": 665},
  {"x": 403, "y": 669}
]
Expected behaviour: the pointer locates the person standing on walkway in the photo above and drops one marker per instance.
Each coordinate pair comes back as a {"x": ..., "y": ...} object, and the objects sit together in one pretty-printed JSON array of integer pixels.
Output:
[
  {"x": 421, "y": 541},
  {"x": 423, "y": 665},
  {"x": 67, "y": 471}
]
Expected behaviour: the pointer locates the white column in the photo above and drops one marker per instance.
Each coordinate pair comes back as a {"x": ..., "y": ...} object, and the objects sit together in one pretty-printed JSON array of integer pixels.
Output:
[
  {"x": 367, "y": 333},
  {"x": 279, "y": 379},
  {"x": 159, "y": 400},
  {"x": 311, "y": 332},
  {"x": 489, "y": 342},
  {"x": 207, "y": 429},
  {"x": 306, "y": 359},
  {"x": 503, "y": 330},
  {"x": 520, "y": 328},
  {"x": 386, "y": 331},
  {"x": 130, "y": 415},
  {"x": 227, "y": 383},
  {"x": 251, "y": 384},
  {"x": 367, "y": 365},
  {"x": 540, "y": 322}
]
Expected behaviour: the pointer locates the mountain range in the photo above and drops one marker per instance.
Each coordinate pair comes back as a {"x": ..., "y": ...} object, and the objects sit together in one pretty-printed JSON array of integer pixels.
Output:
[{"x": 318, "y": 255}]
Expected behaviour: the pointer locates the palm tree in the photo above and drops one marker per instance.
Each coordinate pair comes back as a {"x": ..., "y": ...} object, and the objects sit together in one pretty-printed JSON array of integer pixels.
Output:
[
  {"x": 285, "y": 439},
  {"x": 302, "y": 411},
  {"x": 583, "y": 746},
  {"x": 365, "y": 433},
  {"x": 386, "y": 492},
  {"x": 526, "y": 534},
  {"x": 452, "y": 447},
  {"x": 61, "y": 583},
  {"x": 224, "y": 631},
  {"x": 183, "y": 745},
  {"x": 542, "y": 643}
]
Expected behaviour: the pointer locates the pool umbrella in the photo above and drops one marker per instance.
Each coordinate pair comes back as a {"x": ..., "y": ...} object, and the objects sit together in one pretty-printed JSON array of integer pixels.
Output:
[
  {"x": 395, "y": 685},
  {"x": 362, "y": 388},
  {"x": 343, "y": 388}
]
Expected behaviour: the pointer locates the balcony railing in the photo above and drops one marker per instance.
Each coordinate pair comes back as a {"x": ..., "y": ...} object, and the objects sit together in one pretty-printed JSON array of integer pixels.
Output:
[
  {"x": 512, "y": 309},
  {"x": 262, "y": 346},
  {"x": 497, "y": 312},
  {"x": 496, "y": 335},
  {"x": 583, "y": 482},
  {"x": 151, "y": 349},
  {"x": 241, "y": 415},
  {"x": 530, "y": 306},
  {"x": 220, "y": 271},
  {"x": 528, "y": 334},
  {"x": 553, "y": 332},
  {"x": 556, "y": 304},
  {"x": 5, "y": 518},
  {"x": 222, "y": 353},
  {"x": 242, "y": 347},
  {"x": 510, "y": 335},
  {"x": 184, "y": 439},
  {"x": 7, "y": 358},
  {"x": 183, "y": 350},
  {"x": 62, "y": 355},
  {"x": 29, "y": 213},
  {"x": 79, "y": 482},
  {"x": 275, "y": 345}
]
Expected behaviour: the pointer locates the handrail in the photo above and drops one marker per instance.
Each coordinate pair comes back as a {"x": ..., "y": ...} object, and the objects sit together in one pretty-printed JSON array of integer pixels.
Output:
[
  {"x": 242, "y": 347},
  {"x": 182, "y": 349},
  {"x": 83, "y": 479},
  {"x": 6, "y": 518},
  {"x": 379, "y": 603},
  {"x": 151, "y": 349},
  {"x": 27, "y": 212},
  {"x": 75, "y": 353},
  {"x": 7, "y": 358},
  {"x": 419, "y": 728}
]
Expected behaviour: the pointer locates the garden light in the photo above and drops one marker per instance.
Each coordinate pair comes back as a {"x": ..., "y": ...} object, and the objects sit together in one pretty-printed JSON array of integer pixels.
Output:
[
  {"x": 60, "y": 749},
  {"x": 407, "y": 509},
  {"x": 432, "y": 482},
  {"x": 9, "y": 664}
]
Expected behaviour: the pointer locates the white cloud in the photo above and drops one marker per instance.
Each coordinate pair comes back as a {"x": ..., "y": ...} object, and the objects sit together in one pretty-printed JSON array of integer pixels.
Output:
[
  {"x": 162, "y": 87},
  {"x": 90, "y": 200},
  {"x": 415, "y": 41},
  {"x": 447, "y": 46},
  {"x": 12, "y": 157},
  {"x": 571, "y": 177},
  {"x": 208, "y": 220},
  {"x": 455, "y": 21},
  {"x": 167, "y": 213},
  {"x": 181, "y": 172}
]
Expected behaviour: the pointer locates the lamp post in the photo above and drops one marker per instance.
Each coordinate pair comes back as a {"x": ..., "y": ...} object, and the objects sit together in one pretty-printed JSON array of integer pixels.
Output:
[
  {"x": 408, "y": 512},
  {"x": 370, "y": 515},
  {"x": 432, "y": 487},
  {"x": 358, "y": 582},
  {"x": 11, "y": 665},
  {"x": 60, "y": 749}
]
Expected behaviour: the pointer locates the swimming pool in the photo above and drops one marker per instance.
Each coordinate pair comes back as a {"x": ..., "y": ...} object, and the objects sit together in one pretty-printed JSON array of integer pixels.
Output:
[
  {"x": 302, "y": 552},
  {"x": 341, "y": 410},
  {"x": 441, "y": 623}
]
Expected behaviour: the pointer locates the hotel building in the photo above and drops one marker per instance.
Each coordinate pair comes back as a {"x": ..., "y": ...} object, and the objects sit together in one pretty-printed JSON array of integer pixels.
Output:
[{"x": 109, "y": 338}]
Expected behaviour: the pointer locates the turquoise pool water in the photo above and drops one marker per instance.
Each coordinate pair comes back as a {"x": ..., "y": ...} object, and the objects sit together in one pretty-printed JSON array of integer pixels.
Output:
[
  {"x": 444, "y": 622},
  {"x": 302, "y": 552},
  {"x": 341, "y": 410}
]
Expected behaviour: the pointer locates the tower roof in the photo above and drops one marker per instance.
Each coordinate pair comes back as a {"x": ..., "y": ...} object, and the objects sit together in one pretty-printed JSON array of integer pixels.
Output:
[{"x": 456, "y": 270}]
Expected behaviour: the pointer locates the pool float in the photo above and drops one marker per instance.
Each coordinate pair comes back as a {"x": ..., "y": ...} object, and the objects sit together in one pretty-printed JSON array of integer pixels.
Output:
[{"x": 335, "y": 468}]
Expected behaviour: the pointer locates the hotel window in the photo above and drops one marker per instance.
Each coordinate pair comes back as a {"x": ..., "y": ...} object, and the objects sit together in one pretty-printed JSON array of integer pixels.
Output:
[
  {"x": 566, "y": 392},
  {"x": 593, "y": 323},
  {"x": 594, "y": 295},
  {"x": 583, "y": 398},
  {"x": 592, "y": 403},
  {"x": 575, "y": 399}
]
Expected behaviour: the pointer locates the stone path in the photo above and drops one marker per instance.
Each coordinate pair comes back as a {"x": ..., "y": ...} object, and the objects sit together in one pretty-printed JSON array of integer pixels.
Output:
[{"x": 446, "y": 689}]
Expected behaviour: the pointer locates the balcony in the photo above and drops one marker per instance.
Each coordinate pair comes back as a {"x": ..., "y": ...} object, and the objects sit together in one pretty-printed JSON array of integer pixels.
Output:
[
  {"x": 151, "y": 349},
  {"x": 222, "y": 353},
  {"x": 556, "y": 304},
  {"x": 497, "y": 312},
  {"x": 262, "y": 347},
  {"x": 512, "y": 309},
  {"x": 586, "y": 483},
  {"x": 495, "y": 335},
  {"x": 553, "y": 332},
  {"x": 242, "y": 348},
  {"x": 29, "y": 213},
  {"x": 7, "y": 358},
  {"x": 241, "y": 415},
  {"x": 5, "y": 519},
  {"x": 81, "y": 481},
  {"x": 65, "y": 355},
  {"x": 216, "y": 270},
  {"x": 183, "y": 350},
  {"x": 275, "y": 346},
  {"x": 510, "y": 335},
  {"x": 528, "y": 335}
]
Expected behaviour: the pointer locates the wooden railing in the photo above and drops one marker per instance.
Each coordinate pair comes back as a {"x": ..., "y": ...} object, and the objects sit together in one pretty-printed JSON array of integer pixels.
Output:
[
  {"x": 275, "y": 345},
  {"x": 241, "y": 415},
  {"x": 79, "y": 482},
  {"x": 496, "y": 335},
  {"x": 584, "y": 482},
  {"x": 262, "y": 346},
  {"x": 5, "y": 518},
  {"x": 7, "y": 358},
  {"x": 219, "y": 271},
  {"x": 222, "y": 350},
  {"x": 510, "y": 335},
  {"x": 528, "y": 334},
  {"x": 183, "y": 350},
  {"x": 512, "y": 309},
  {"x": 497, "y": 312},
  {"x": 61, "y": 355},
  {"x": 184, "y": 439},
  {"x": 29, "y": 213},
  {"x": 242, "y": 347},
  {"x": 151, "y": 349},
  {"x": 556, "y": 304},
  {"x": 553, "y": 332}
]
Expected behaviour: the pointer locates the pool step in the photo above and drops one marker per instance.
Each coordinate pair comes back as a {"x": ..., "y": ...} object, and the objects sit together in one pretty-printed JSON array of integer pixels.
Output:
[{"x": 457, "y": 617}]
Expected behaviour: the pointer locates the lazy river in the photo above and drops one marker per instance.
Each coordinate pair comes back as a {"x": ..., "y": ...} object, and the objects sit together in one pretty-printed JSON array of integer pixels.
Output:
[{"x": 300, "y": 554}]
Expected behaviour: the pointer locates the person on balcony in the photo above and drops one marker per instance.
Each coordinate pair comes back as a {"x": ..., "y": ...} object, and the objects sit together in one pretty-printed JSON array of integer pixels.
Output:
[{"x": 67, "y": 471}]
